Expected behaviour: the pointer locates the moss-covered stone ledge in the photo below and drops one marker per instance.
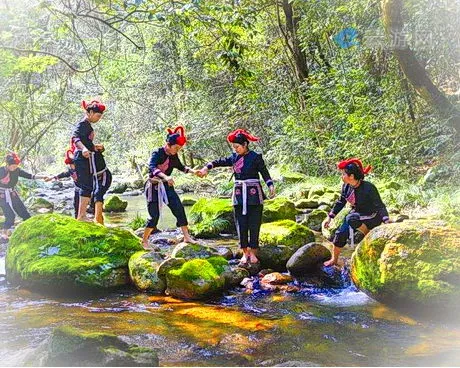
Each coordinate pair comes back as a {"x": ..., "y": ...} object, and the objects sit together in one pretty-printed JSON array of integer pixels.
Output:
[
  {"x": 55, "y": 252},
  {"x": 413, "y": 264}
]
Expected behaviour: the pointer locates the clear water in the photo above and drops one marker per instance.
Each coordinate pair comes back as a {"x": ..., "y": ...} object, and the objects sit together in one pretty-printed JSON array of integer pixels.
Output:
[{"x": 312, "y": 327}]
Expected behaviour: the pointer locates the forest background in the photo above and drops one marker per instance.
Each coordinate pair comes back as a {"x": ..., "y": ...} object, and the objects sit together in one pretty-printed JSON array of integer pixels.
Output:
[{"x": 317, "y": 80}]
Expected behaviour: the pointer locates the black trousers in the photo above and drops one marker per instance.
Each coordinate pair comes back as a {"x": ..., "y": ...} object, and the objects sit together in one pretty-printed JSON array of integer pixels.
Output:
[
  {"x": 76, "y": 201},
  {"x": 174, "y": 204},
  {"x": 248, "y": 226},
  {"x": 104, "y": 181},
  {"x": 354, "y": 221},
  {"x": 9, "y": 212},
  {"x": 85, "y": 179}
]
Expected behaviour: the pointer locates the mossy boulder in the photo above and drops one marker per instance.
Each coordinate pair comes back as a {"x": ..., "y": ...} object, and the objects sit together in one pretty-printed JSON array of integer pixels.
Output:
[
  {"x": 314, "y": 219},
  {"x": 306, "y": 203},
  {"x": 233, "y": 277},
  {"x": 119, "y": 188},
  {"x": 37, "y": 204},
  {"x": 279, "y": 240},
  {"x": 197, "y": 278},
  {"x": 188, "y": 201},
  {"x": 279, "y": 208},
  {"x": 292, "y": 177},
  {"x": 68, "y": 346},
  {"x": 317, "y": 191},
  {"x": 308, "y": 259},
  {"x": 335, "y": 223},
  {"x": 143, "y": 270},
  {"x": 191, "y": 251},
  {"x": 328, "y": 198},
  {"x": 211, "y": 217},
  {"x": 414, "y": 264},
  {"x": 58, "y": 252},
  {"x": 285, "y": 232},
  {"x": 168, "y": 265},
  {"x": 115, "y": 204}
]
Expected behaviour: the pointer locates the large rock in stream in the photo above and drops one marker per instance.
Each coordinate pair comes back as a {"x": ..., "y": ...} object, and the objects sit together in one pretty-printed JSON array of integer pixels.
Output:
[
  {"x": 143, "y": 270},
  {"x": 68, "y": 346},
  {"x": 197, "y": 278},
  {"x": 279, "y": 208},
  {"x": 212, "y": 216},
  {"x": 278, "y": 242},
  {"x": 413, "y": 264},
  {"x": 57, "y": 253}
]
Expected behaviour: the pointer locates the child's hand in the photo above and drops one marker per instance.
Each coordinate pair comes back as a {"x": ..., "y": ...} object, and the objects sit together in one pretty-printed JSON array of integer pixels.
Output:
[
  {"x": 271, "y": 191},
  {"x": 327, "y": 223}
]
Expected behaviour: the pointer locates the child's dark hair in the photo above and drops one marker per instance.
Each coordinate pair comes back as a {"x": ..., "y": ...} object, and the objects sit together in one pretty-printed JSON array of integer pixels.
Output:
[{"x": 354, "y": 169}]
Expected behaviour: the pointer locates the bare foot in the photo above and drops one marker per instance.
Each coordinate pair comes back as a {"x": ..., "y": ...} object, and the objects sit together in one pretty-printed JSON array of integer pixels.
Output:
[
  {"x": 85, "y": 219},
  {"x": 188, "y": 240},
  {"x": 331, "y": 262},
  {"x": 253, "y": 259},
  {"x": 244, "y": 259}
]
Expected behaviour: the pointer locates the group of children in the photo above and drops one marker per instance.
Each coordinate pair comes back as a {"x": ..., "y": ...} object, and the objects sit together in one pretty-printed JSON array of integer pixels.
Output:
[{"x": 87, "y": 167}]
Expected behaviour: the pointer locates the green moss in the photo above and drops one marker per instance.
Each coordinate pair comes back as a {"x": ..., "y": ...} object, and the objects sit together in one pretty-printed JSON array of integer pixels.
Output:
[
  {"x": 37, "y": 202},
  {"x": 115, "y": 204},
  {"x": 211, "y": 217},
  {"x": 143, "y": 270},
  {"x": 317, "y": 190},
  {"x": 50, "y": 249},
  {"x": 280, "y": 208},
  {"x": 197, "y": 278},
  {"x": 285, "y": 232},
  {"x": 292, "y": 177},
  {"x": 197, "y": 269},
  {"x": 190, "y": 251},
  {"x": 314, "y": 219},
  {"x": 211, "y": 228},
  {"x": 414, "y": 262},
  {"x": 219, "y": 263}
]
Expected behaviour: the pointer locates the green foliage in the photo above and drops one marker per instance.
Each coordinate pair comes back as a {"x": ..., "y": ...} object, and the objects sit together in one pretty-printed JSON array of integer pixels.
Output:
[
  {"x": 137, "y": 222},
  {"x": 215, "y": 66}
]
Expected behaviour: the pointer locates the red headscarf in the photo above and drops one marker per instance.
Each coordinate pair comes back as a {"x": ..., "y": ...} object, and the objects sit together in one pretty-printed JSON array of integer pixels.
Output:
[
  {"x": 69, "y": 156},
  {"x": 342, "y": 164},
  {"x": 241, "y": 135},
  {"x": 12, "y": 159},
  {"x": 176, "y": 136},
  {"x": 94, "y": 105}
]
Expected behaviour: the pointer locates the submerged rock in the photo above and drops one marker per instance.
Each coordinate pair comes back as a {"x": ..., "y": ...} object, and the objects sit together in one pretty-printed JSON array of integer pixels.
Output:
[{"x": 68, "y": 346}]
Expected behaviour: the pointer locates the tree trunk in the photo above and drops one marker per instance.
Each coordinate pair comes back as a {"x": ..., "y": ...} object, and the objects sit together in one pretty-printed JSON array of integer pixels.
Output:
[
  {"x": 415, "y": 73},
  {"x": 292, "y": 25}
]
